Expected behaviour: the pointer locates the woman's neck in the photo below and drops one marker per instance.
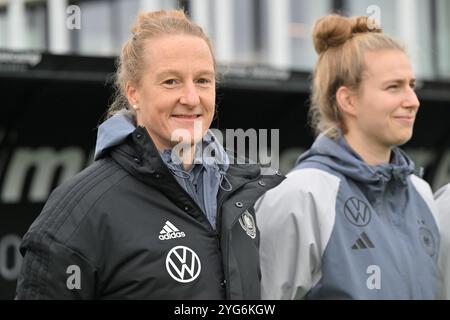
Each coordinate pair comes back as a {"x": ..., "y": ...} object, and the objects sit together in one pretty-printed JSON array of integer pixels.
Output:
[{"x": 372, "y": 152}]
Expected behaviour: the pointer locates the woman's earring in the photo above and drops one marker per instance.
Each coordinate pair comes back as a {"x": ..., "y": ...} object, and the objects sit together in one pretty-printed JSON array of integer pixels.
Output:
[{"x": 135, "y": 107}]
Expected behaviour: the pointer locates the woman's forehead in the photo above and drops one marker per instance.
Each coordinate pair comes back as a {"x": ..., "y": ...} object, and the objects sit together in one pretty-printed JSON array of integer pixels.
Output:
[
  {"x": 386, "y": 64},
  {"x": 169, "y": 51}
]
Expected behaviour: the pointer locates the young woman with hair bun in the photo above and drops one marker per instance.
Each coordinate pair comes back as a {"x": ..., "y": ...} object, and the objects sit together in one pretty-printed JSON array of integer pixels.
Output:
[{"x": 353, "y": 220}]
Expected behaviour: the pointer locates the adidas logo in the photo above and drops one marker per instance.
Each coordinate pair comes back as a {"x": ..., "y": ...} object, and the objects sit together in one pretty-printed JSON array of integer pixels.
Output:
[
  {"x": 363, "y": 242},
  {"x": 169, "y": 231}
]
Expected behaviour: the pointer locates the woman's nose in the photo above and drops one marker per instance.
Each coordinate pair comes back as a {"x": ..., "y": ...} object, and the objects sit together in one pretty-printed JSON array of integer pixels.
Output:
[{"x": 190, "y": 96}]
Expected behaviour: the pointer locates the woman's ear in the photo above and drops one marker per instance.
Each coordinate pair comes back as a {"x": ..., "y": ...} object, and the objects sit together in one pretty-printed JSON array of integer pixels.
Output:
[
  {"x": 132, "y": 94},
  {"x": 345, "y": 99}
]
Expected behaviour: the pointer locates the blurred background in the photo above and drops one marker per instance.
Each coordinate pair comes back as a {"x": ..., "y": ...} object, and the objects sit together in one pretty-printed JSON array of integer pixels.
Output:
[{"x": 57, "y": 58}]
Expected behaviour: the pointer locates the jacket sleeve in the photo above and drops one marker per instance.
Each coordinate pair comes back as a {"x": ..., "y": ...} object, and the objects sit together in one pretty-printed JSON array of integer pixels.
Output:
[
  {"x": 443, "y": 217},
  {"x": 51, "y": 270},
  {"x": 295, "y": 221}
]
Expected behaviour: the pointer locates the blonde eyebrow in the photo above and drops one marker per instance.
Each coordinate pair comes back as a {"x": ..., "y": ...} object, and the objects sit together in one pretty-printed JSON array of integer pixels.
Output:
[
  {"x": 167, "y": 73},
  {"x": 170, "y": 72},
  {"x": 207, "y": 73},
  {"x": 413, "y": 80}
]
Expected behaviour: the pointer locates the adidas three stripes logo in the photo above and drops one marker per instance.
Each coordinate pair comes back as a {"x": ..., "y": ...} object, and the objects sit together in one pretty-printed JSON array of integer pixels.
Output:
[{"x": 363, "y": 242}]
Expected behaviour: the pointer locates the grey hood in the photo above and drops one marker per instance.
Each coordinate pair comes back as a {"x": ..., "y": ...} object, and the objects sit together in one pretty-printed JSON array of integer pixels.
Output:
[
  {"x": 340, "y": 157},
  {"x": 113, "y": 132}
]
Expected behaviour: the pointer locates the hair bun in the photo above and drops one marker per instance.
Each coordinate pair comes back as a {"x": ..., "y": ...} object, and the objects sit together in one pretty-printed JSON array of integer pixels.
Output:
[
  {"x": 334, "y": 30},
  {"x": 364, "y": 24}
]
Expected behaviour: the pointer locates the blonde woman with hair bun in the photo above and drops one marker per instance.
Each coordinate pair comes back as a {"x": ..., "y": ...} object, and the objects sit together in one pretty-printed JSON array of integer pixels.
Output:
[
  {"x": 352, "y": 220},
  {"x": 145, "y": 221}
]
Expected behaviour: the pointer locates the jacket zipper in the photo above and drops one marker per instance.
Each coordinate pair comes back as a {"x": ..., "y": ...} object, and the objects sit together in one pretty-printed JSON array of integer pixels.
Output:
[{"x": 219, "y": 225}]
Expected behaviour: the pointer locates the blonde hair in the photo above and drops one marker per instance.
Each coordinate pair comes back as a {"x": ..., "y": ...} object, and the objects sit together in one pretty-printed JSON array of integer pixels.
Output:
[
  {"x": 130, "y": 63},
  {"x": 341, "y": 43}
]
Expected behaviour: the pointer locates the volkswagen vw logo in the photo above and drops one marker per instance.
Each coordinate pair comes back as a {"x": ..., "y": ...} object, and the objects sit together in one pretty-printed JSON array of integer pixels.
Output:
[
  {"x": 183, "y": 264},
  {"x": 357, "y": 212}
]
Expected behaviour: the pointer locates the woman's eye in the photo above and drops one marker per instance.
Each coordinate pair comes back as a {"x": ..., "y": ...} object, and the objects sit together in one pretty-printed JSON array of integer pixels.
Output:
[
  {"x": 203, "y": 81},
  {"x": 170, "y": 82},
  {"x": 392, "y": 87}
]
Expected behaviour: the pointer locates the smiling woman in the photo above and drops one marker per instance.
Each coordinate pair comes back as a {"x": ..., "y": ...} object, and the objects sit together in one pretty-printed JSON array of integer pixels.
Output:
[
  {"x": 352, "y": 221},
  {"x": 380, "y": 114},
  {"x": 137, "y": 223},
  {"x": 166, "y": 72},
  {"x": 173, "y": 94}
]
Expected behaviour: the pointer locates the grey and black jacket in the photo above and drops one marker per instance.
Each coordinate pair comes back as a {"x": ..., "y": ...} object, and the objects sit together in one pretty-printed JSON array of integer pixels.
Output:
[{"x": 124, "y": 228}]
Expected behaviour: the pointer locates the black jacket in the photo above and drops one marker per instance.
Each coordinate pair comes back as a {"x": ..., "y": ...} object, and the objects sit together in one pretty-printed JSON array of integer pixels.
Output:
[{"x": 123, "y": 228}]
